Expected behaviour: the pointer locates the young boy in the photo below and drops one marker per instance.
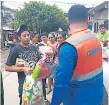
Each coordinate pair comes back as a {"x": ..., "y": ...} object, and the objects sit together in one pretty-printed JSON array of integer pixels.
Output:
[
  {"x": 44, "y": 39},
  {"x": 23, "y": 51}
]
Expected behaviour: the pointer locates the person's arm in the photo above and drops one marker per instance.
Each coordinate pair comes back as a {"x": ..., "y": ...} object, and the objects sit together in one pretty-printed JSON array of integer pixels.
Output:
[
  {"x": 13, "y": 68},
  {"x": 11, "y": 61},
  {"x": 67, "y": 61}
]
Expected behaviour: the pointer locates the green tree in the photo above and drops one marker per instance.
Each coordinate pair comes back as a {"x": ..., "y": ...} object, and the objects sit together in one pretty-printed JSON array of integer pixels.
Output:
[{"x": 40, "y": 17}]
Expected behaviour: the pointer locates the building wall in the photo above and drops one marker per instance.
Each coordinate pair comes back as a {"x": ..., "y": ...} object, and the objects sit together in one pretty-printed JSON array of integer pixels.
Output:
[
  {"x": 100, "y": 15},
  {"x": 104, "y": 14},
  {"x": 99, "y": 18},
  {"x": 8, "y": 15}
]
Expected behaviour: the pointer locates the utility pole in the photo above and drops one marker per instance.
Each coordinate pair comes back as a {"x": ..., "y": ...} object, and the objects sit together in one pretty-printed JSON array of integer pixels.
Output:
[{"x": 1, "y": 10}]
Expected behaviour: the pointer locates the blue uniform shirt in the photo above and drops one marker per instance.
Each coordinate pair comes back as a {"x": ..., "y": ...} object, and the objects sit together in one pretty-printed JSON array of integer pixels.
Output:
[
  {"x": 90, "y": 94},
  {"x": 67, "y": 61}
]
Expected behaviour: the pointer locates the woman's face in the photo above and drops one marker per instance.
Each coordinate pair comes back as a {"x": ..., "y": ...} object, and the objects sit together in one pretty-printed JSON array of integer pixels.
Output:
[
  {"x": 51, "y": 38},
  {"x": 25, "y": 37},
  {"x": 60, "y": 38},
  {"x": 35, "y": 39}
]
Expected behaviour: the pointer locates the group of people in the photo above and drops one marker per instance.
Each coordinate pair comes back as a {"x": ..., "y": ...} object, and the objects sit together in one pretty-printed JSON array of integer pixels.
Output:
[
  {"x": 79, "y": 74},
  {"x": 27, "y": 49},
  {"x": 53, "y": 41}
]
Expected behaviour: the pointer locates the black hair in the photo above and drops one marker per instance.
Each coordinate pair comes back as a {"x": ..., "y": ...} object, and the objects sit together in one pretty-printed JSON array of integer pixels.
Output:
[
  {"x": 77, "y": 13},
  {"x": 63, "y": 34},
  {"x": 21, "y": 29},
  {"x": 102, "y": 25},
  {"x": 43, "y": 34},
  {"x": 33, "y": 35},
  {"x": 40, "y": 45},
  {"x": 52, "y": 33}
]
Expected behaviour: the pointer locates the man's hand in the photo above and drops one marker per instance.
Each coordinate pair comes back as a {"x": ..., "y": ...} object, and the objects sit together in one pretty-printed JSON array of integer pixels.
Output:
[{"x": 105, "y": 43}]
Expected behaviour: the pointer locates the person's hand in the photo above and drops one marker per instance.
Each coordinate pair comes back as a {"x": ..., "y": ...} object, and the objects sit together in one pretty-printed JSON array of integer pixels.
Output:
[
  {"x": 21, "y": 63},
  {"x": 105, "y": 43},
  {"x": 27, "y": 70}
]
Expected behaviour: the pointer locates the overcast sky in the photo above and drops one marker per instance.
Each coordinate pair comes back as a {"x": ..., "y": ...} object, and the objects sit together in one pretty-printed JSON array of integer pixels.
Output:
[{"x": 63, "y": 4}]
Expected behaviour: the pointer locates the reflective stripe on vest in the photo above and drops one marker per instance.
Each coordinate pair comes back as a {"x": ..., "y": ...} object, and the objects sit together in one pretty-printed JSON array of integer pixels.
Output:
[
  {"x": 88, "y": 75},
  {"x": 83, "y": 38}
]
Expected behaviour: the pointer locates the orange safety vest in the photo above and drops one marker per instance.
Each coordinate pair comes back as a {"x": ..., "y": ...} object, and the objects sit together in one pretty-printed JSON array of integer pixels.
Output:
[{"x": 89, "y": 62}]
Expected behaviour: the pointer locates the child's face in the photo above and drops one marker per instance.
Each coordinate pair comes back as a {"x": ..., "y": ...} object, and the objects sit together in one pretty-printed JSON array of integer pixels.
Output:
[
  {"x": 25, "y": 37},
  {"x": 102, "y": 29},
  {"x": 44, "y": 38}
]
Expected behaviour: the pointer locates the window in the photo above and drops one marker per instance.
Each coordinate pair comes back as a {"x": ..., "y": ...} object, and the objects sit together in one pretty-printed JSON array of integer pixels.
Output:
[
  {"x": 106, "y": 24},
  {"x": 96, "y": 28}
]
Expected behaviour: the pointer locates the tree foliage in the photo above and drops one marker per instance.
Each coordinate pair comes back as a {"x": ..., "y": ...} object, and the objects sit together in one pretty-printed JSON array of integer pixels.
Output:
[{"x": 40, "y": 17}]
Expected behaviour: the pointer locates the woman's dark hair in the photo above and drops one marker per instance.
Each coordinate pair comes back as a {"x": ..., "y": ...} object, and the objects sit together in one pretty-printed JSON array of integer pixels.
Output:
[
  {"x": 21, "y": 29},
  {"x": 33, "y": 35},
  {"x": 63, "y": 34},
  {"x": 52, "y": 33}
]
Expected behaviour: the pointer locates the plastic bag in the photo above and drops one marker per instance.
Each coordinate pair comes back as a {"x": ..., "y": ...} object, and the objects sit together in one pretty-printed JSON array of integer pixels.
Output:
[{"x": 32, "y": 95}]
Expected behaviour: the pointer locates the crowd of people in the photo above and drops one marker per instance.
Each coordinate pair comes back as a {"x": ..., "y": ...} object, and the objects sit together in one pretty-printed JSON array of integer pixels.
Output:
[
  {"x": 78, "y": 78},
  {"x": 26, "y": 49},
  {"x": 52, "y": 41}
]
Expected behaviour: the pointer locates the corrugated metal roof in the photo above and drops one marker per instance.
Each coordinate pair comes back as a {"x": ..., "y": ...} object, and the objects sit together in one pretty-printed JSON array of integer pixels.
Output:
[
  {"x": 99, "y": 7},
  {"x": 8, "y": 29}
]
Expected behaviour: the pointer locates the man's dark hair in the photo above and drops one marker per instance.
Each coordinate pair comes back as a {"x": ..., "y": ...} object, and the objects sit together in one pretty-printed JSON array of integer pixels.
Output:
[
  {"x": 43, "y": 34},
  {"x": 78, "y": 13},
  {"x": 21, "y": 29},
  {"x": 102, "y": 25}
]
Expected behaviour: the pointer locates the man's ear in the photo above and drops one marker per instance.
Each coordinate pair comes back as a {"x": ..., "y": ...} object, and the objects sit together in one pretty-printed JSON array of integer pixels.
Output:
[{"x": 68, "y": 22}]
